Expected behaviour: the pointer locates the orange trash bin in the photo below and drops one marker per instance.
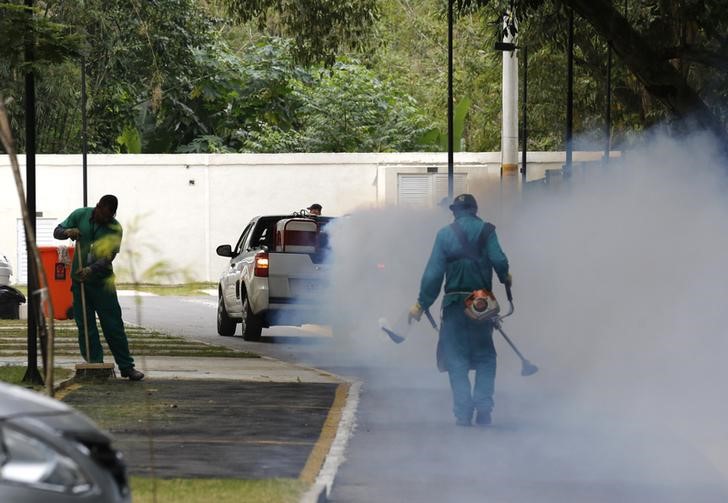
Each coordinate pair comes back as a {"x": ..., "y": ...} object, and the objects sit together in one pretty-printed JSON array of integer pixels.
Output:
[{"x": 57, "y": 262}]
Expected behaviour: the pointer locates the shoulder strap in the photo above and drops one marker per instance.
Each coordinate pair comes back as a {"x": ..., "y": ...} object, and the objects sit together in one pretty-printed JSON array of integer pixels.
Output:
[
  {"x": 485, "y": 233},
  {"x": 468, "y": 249},
  {"x": 471, "y": 251}
]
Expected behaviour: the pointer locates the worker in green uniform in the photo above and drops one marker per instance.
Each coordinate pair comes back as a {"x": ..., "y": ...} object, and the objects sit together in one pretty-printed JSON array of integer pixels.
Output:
[
  {"x": 98, "y": 239},
  {"x": 465, "y": 254}
]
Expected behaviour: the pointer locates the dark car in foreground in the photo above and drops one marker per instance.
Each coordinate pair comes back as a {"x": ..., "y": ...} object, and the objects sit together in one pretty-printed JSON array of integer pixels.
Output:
[{"x": 51, "y": 453}]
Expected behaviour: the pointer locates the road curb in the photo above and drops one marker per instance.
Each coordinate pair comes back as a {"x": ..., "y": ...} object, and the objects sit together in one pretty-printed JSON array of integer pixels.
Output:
[
  {"x": 317, "y": 494},
  {"x": 321, "y": 488}
]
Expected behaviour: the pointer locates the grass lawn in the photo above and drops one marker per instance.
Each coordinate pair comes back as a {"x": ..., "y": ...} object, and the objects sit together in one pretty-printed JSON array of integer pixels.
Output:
[
  {"x": 13, "y": 374},
  {"x": 185, "y": 289},
  {"x": 217, "y": 490},
  {"x": 142, "y": 342}
]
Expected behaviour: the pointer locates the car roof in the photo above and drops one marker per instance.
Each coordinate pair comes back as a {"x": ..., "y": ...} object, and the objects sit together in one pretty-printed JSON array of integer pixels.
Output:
[{"x": 311, "y": 217}]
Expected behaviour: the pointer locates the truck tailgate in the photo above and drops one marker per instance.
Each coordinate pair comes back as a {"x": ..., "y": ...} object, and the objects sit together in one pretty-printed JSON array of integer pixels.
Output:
[{"x": 294, "y": 277}]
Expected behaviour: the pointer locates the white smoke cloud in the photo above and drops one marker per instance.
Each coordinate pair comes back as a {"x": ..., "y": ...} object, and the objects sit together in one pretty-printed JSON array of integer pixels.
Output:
[{"x": 620, "y": 284}]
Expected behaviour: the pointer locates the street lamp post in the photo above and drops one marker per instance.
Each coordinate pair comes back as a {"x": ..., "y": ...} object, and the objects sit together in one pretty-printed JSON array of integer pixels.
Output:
[
  {"x": 608, "y": 111},
  {"x": 570, "y": 96},
  {"x": 524, "y": 138},
  {"x": 84, "y": 126},
  {"x": 509, "y": 46},
  {"x": 450, "y": 126},
  {"x": 32, "y": 375}
]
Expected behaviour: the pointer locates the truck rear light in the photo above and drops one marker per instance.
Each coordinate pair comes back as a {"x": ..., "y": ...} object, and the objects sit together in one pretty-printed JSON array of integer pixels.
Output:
[{"x": 261, "y": 264}]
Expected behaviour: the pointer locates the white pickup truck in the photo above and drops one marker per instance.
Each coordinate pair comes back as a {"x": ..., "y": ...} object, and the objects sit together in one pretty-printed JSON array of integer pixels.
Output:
[{"x": 276, "y": 276}]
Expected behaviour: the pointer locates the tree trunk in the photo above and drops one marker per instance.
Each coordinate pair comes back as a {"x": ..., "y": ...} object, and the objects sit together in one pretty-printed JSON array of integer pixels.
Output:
[{"x": 658, "y": 76}]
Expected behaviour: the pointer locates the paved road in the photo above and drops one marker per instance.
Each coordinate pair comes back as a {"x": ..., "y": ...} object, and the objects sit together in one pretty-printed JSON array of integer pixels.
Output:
[{"x": 545, "y": 445}]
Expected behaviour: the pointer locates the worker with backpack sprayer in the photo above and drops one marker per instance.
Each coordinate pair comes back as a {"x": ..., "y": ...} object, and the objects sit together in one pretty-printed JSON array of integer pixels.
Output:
[{"x": 465, "y": 253}]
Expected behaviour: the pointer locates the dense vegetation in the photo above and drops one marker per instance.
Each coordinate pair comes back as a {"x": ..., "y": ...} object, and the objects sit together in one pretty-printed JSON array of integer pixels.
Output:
[{"x": 352, "y": 75}]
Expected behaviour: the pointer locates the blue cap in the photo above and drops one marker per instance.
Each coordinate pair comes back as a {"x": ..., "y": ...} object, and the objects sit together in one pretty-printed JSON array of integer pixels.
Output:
[{"x": 464, "y": 202}]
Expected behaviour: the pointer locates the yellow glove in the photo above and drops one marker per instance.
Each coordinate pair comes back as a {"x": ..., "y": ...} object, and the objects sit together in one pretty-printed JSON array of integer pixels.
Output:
[{"x": 415, "y": 313}]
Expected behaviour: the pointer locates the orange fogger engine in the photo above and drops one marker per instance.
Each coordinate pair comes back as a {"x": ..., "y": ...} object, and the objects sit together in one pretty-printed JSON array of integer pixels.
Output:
[{"x": 481, "y": 305}]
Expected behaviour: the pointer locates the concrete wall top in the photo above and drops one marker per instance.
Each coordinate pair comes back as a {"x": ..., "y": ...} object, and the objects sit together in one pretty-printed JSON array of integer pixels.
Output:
[{"x": 296, "y": 159}]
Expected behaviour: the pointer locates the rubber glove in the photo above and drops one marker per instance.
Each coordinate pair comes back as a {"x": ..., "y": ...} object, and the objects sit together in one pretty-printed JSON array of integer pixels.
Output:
[
  {"x": 509, "y": 281},
  {"x": 415, "y": 313},
  {"x": 73, "y": 233},
  {"x": 84, "y": 274}
]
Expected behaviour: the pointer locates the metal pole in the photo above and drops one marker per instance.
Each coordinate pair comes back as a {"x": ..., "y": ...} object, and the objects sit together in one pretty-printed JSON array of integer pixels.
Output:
[
  {"x": 450, "y": 132},
  {"x": 32, "y": 375},
  {"x": 570, "y": 96},
  {"x": 608, "y": 111},
  {"x": 524, "y": 148},
  {"x": 509, "y": 107},
  {"x": 84, "y": 125}
]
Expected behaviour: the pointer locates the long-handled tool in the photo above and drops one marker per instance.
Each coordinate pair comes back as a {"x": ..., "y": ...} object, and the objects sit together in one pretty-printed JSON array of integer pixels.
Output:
[
  {"x": 400, "y": 337},
  {"x": 88, "y": 370},
  {"x": 527, "y": 368},
  {"x": 396, "y": 333},
  {"x": 83, "y": 303},
  {"x": 395, "y": 337}
]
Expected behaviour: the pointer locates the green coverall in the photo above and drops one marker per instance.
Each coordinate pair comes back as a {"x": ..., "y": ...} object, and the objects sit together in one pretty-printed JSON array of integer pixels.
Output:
[
  {"x": 98, "y": 245},
  {"x": 465, "y": 344}
]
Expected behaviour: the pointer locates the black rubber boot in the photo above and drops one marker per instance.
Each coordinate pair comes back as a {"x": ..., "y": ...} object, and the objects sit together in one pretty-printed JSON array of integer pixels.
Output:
[
  {"x": 482, "y": 418},
  {"x": 133, "y": 374}
]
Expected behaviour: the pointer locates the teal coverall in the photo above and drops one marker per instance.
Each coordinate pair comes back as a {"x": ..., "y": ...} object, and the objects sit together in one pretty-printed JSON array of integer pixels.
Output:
[
  {"x": 98, "y": 245},
  {"x": 465, "y": 344}
]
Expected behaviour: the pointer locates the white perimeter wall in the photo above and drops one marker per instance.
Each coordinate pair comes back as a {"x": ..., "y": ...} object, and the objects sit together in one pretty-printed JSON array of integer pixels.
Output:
[{"x": 177, "y": 208}]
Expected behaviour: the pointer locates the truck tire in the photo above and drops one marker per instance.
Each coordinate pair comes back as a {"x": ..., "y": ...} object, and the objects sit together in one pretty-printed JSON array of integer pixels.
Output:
[
  {"x": 225, "y": 324},
  {"x": 252, "y": 325}
]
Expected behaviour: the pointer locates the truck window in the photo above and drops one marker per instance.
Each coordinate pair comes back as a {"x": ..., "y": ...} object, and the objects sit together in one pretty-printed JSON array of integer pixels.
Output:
[
  {"x": 239, "y": 245},
  {"x": 264, "y": 234}
]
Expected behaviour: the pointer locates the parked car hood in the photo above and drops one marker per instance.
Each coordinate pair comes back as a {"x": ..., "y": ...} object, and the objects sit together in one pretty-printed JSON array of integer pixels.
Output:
[
  {"x": 15, "y": 401},
  {"x": 18, "y": 402}
]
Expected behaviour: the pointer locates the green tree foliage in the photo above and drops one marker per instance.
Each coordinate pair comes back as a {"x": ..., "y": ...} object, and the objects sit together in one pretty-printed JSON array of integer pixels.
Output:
[
  {"x": 53, "y": 45},
  {"x": 54, "y": 42},
  {"x": 320, "y": 29},
  {"x": 160, "y": 78},
  {"x": 412, "y": 52},
  {"x": 350, "y": 109},
  {"x": 246, "y": 97},
  {"x": 142, "y": 67},
  {"x": 353, "y": 75},
  {"x": 279, "y": 106},
  {"x": 676, "y": 52}
]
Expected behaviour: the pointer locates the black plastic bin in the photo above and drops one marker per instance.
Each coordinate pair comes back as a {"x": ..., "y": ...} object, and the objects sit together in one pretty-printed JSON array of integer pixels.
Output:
[{"x": 10, "y": 300}]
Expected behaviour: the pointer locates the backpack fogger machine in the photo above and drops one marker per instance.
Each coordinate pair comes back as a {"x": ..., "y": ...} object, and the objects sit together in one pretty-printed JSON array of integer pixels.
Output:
[{"x": 481, "y": 305}]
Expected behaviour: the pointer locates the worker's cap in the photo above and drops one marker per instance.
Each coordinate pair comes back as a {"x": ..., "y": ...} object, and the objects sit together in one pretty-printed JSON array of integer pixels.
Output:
[
  {"x": 315, "y": 206},
  {"x": 464, "y": 202}
]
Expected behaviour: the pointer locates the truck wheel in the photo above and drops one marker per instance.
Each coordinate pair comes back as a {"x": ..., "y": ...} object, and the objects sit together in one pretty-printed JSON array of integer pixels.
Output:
[
  {"x": 251, "y": 324},
  {"x": 225, "y": 324}
]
